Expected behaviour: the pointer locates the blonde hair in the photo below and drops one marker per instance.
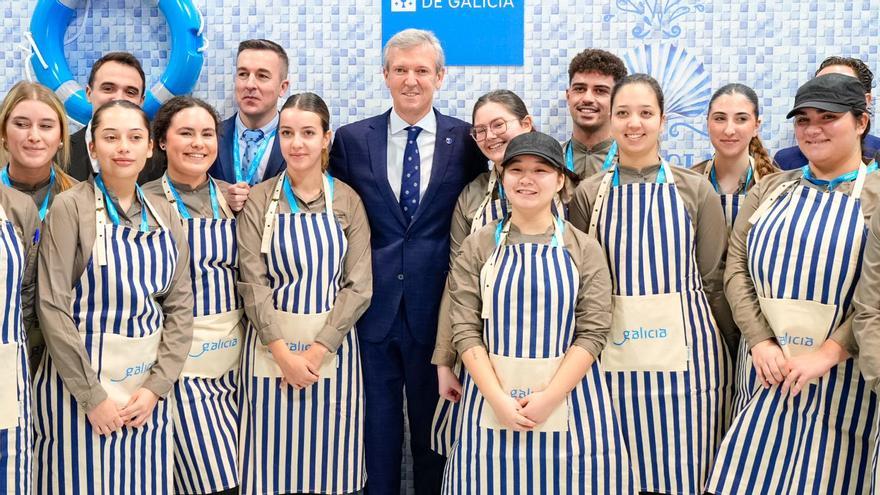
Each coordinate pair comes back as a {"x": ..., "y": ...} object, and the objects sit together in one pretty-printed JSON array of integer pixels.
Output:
[{"x": 23, "y": 91}]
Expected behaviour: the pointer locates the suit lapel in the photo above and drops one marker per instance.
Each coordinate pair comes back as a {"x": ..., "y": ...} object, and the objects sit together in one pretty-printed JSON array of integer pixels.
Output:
[
  {"x": 377, "y": 141},
  {"x": 443, "y": 146},
  {"x": 225, "y": 151}
]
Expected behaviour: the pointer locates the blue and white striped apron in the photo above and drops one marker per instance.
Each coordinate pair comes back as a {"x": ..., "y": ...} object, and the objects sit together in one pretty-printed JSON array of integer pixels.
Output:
[
  {"x": 205, "y": 411},
  {"x": 671, "y": 413},
  {"x": 447, "y": 417},
  {"x": 805, "y": 246},
  {"x": 116, "y": 311},
  {"x": 746, "y": 380},
  {"x": 16, "y": 439},
  {"x": 529, "y": 299},
  {"x": 308, "y": 440}
]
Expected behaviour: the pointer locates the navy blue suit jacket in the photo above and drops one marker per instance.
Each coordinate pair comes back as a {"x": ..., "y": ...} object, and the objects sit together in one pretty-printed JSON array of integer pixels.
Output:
[
  {"x": 410, "y": 261},
  {"x": 223, "y": 166}
]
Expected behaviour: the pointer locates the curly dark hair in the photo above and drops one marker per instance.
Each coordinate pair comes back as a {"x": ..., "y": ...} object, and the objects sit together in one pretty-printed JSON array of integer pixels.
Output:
[
  {"x": 595, "y": 60},
  {"x": 863, "y": 73}
]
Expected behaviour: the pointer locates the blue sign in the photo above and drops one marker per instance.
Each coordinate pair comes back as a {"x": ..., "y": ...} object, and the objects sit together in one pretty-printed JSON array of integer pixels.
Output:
[{"x": 472, "y": 32}]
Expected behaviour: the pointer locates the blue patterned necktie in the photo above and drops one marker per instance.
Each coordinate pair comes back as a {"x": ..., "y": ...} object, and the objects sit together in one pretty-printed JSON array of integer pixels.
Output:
[
  {"x": 252, "y": 140},
  {"x": 410, "y": 183}
]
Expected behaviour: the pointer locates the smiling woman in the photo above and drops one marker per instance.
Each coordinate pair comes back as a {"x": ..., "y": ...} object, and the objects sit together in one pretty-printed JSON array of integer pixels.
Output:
[
  {"x": 205, "y": 409},
  {"x": 666, "y": 273},
  {"x": 306, "y": 278},
  {"x": 806, "y": 229},
  {"x": 524, "y": 406},
  {"x": 114, "y": 295}
]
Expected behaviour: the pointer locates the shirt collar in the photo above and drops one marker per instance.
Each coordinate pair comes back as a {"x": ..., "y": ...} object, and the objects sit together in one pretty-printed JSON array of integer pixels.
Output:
[
  {"x": 240, "y": 127},
  {"x": 600, "y": 147},
  {"x": 428, "y": 123}
]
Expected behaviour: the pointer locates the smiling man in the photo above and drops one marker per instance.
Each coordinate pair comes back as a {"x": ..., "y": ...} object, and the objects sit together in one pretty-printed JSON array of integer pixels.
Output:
[
  {"x": 408, "y": 165},
  {"x": 114, "y": 76},
  {"x": 248, "y": 152},
  {"x": 592, "y": 75}
]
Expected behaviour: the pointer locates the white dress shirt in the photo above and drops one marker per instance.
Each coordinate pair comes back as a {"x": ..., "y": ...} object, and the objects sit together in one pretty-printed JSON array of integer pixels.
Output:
[{"x": 397, "y": 135}]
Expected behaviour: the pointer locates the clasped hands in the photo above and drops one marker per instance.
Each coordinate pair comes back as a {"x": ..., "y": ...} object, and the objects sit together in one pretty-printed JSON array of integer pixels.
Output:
[
  {"x": 793, "y": 373},
  {"x": 298, "y": 369}
]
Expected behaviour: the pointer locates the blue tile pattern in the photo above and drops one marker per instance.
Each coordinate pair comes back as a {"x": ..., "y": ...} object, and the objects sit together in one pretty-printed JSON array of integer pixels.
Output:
[{"x": 335, "y": 51}]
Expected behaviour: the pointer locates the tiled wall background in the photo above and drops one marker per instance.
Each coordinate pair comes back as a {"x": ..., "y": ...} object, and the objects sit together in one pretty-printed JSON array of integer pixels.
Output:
[{"x": 771, "y": 45}]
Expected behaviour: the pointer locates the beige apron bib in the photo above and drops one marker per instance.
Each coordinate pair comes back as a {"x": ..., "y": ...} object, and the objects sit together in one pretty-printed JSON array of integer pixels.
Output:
[
  {"x": 216, "y": 345},
  {"x": 647, "y": 332},
  {"x": 299, "y": 332},
  {"x": 519, "y": 377}
]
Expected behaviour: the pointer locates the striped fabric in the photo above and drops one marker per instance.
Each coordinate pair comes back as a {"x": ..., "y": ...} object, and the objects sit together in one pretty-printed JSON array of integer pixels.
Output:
[
  {"x": 447, "y": 416},
  {"x": 16, "y": 460},
  {"x": 671, "y": 421},
  {"x": 206, "y": 409},
  {"x": 534, "y": 298},
  {"x": 309, "y": 440},
  {"x": 807, "y": 246},
  {"x": 121, "y": 299}
]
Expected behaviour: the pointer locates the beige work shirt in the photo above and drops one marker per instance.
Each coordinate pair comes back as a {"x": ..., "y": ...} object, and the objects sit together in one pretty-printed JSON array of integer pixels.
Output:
[
  {"x": 25, "y": 219},
  {"x": 593, "y": 307},
  {"x": 866, "y": 305},
  {"x": 588, "y": 161},
  {"x": 65, "y": 250},
  {"x": 356, "y": 284},
  {"x": 710, "y": 230},
  {"x": 196, "y": 199},
  {"x": 738, "y": 284}
]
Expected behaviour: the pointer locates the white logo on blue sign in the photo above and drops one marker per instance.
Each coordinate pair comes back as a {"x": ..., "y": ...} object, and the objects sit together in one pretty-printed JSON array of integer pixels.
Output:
[{"x": 403, "y": 5}]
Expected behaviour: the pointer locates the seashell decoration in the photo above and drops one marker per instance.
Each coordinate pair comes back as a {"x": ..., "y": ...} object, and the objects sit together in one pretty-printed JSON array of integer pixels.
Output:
[{"x": 686, "y": 84}]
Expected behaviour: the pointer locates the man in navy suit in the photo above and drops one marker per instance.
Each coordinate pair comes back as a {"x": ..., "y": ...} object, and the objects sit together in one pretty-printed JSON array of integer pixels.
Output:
[
  {"x": 249, "y": 152},
  {"x": 408, "y": 165}
]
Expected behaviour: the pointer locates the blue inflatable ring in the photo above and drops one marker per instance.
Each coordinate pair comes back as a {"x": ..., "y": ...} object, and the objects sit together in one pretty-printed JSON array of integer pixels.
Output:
[{"x": 49, "y": 23}]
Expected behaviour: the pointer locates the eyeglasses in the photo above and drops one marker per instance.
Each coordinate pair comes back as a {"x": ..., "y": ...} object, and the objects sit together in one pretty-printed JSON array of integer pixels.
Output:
[{"x": 497, "y": 126}]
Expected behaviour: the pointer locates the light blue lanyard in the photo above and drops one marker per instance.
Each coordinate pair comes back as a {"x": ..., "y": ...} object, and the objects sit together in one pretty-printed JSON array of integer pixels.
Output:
[
  {"x": 291, "y": 199},
  {"x": 609, "y": 158},
  {"x": 661, "y": 176},
  {"x": 4, "y": 176},
  {"x": 111, "y": 209},
  {"x": 255, "y": 164},
  {"x": 556, "y": 241},
  {"x": 183, "y": 210},
  {"x": 850, "y": 176},
  {"x": 714, "y": 179}
]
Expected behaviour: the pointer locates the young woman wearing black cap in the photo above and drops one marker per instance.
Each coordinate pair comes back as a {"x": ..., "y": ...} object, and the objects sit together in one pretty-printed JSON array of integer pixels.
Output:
[
  {"x": 791, "y": 272},
  {"x": 664, "y": 236},
  {"x": 531, "y": 307}
]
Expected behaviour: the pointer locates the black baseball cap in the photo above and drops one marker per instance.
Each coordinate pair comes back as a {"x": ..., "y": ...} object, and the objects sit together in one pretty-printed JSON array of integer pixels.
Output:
[
  {"x": 832, "y": 93},
  {"x": 537, "y": 144}
]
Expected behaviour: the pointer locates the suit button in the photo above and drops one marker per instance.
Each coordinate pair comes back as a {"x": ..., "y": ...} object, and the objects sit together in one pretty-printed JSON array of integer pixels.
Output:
[{"x": 399, "y": 276}]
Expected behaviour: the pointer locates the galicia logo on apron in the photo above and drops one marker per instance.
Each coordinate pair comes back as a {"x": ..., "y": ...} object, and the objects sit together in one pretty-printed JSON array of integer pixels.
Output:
[
  {"x": 219, "y": 345},
  {"x": 133, "y": 371},
  {"x": 643, "y": 333}
]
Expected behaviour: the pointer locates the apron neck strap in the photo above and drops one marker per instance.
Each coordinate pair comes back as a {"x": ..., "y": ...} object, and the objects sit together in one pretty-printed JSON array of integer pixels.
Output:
[
  {"x": 272, "y": 210},
  {"x": 490, "y": 189}
]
